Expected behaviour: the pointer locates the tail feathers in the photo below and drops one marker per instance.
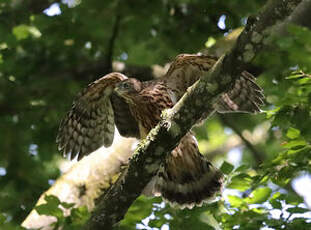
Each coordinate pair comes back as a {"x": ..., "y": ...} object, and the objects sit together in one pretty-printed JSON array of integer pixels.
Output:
[
  {"x": 187, "y": 179},
  {"x": 194, "y": 193}
]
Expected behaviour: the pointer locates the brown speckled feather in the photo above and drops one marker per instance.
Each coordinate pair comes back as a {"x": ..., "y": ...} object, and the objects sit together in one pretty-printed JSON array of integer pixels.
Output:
[
  {"x": 185, "y": 70},
  {"x": 187, "y": 178},
  {"x": 123, "y": 118},
  {"x": 244, "y": 96},
  {"x": 90, "y": 122}
]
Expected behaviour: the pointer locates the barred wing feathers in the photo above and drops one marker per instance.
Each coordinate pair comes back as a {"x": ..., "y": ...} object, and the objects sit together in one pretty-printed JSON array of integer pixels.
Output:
[
  {"x": 187, "y": 178},
  {"x": 90, "y": 122},
  {"x": 244, "y": 96}
]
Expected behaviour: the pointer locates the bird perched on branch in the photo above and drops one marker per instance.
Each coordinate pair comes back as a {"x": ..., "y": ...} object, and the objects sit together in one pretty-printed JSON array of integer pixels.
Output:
[{"x": 134, "y": 107}]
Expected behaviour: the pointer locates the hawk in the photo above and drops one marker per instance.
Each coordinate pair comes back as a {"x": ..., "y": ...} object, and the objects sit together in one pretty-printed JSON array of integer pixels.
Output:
[{"x": 135, "y": 107}]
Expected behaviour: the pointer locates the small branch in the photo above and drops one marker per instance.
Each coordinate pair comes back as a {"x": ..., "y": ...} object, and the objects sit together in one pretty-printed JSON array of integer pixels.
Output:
[
  {"x": 111, "y": 44},
  {"x": 259, "y": 157},
  {"x": 113, "y": 205}
]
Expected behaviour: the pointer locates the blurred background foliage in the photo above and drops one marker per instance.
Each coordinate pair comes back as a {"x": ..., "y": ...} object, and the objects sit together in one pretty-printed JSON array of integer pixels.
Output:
[{"x": 49, "y": 50}]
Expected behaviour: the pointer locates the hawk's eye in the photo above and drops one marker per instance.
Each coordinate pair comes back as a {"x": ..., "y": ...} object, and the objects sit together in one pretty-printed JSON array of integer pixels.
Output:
[{"x": 126, "y": 85}]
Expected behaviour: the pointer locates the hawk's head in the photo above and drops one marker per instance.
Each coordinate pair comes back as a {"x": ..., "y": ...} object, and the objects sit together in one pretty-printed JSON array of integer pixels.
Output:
[{"x": 128, "y": 88}]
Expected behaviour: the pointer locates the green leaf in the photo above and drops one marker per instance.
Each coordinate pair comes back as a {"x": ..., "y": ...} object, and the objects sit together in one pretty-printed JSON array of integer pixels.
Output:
[
  {"x": 49, "y": 210},
  {"x": 293, "y": 133},
  {"x": 276, "y": 204},
  {"x": 52, "y": 200},
  {"x": 298, "y": 149},
  {"x": 259, "y": 195},
  {"x": 210, "y": 42},
  {"x": 80, "y": 215},
  {"x": 295, "y": 143},
  {"x": 51, "y": 207},
  {"x": 295, "y": 75},
  {"x": 24, "y": 31},
  {"x": 2, "y": 218},
  {"x": 67, "y": 205},
  {"x": 240, "y": 182},
  {"x": 226, "y": 167},
  {"x": 271, "y": 113},
  {"x": 297, "y": 210},
  {"x": 242, "y": 168},
  {"x": 290, "y": 198},
  {"x": 210, "y": 220},
  {"x": 235, "y": 201},
  {"x": 275, "y": 200},
  {"x": 136, "y": 213}
]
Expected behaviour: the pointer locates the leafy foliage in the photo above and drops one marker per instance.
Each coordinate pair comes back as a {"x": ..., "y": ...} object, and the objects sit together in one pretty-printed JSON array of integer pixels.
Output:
[
  {"x": 45, "y": 60},
  {"x": 54, "y": 207}
]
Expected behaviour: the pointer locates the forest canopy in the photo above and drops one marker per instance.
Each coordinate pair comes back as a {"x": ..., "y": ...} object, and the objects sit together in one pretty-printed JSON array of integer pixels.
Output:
[{"x": 50, "y": 50}]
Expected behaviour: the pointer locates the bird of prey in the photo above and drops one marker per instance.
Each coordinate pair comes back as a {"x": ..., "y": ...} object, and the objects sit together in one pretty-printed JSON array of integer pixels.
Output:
[{"x": 134, "y": 107}]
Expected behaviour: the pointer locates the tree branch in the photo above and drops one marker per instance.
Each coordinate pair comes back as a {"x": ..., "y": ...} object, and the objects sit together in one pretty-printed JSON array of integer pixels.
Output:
[
  {"x": 111, "y": 44},
  {"x": 165, "y": 136},
  {"x": 259, "y": 157},
  {"x": 87, "y": 173}
]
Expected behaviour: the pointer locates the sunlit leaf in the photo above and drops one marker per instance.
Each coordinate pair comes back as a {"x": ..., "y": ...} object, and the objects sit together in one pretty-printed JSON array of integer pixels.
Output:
[
  {"x": 259, "y": 195},
  {"x": 295, "y": 143},
  {"x": 210, "y": 219},
  {"x": 235, "y": 201},
  {"x": 2, "y": 218},
  {"x": 240, "y": 182},
  {"x": 293, "y": 133},
  {"x": 226, "y": 167},
  {"x": 210, "y": 42},
  {"x": 24, "y": 31},
  {"x": 295, "y": 75}
]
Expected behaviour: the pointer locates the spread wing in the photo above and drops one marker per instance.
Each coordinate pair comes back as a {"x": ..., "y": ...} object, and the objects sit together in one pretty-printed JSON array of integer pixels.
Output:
[
  {"x": 185, "y": 70},
  {"x": 244, "y": 96},
  {"x": 90, "y": 122}
]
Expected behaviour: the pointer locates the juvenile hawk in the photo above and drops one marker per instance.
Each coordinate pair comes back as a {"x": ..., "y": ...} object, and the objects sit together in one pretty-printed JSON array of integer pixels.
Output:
[{"x": 186, "y": 178}]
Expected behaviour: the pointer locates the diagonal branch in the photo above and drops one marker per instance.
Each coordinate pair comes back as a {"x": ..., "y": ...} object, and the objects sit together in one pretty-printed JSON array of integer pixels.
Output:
[
  {"x": 87, "y": 173},
  {"x": 258, "y": 156},
  {"x": 199, "y": 99}
]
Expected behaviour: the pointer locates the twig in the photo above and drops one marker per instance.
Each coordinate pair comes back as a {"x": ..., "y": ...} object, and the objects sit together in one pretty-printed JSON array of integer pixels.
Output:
[
  {"x": 111, "y": 44},
  {"x": 258, "y": 156}
]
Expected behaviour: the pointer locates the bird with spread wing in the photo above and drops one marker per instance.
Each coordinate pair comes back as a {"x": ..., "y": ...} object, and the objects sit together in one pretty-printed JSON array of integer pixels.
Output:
[{"x": 134, "y": 107}]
